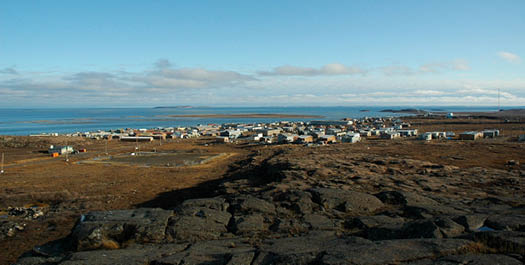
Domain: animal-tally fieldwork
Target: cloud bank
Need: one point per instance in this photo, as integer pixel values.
(329, 69)
(162, 83)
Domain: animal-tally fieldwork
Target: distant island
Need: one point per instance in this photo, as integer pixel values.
(244, 115)
(408, 111)
(173, 107)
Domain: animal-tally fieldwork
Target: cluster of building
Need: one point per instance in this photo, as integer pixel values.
(309, 133)
(312, 132)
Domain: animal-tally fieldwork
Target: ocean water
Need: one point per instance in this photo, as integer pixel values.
(70, 120)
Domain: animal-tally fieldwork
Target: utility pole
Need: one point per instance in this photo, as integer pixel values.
(2, 165)
(106, 146)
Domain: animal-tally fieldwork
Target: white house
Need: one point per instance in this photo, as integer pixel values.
(67, 149)
(286, 138)
(351, 138)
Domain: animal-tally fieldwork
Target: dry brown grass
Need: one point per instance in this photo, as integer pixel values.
(73, 188)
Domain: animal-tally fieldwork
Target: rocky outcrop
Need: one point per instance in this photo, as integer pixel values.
(359, 210)
(199, 219)
(111, 229)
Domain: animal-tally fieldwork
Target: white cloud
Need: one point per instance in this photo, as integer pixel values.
(437, 67)
(180, 78)
(433, 67)
(428, 92)
(509, 57)
(161, 80)
(329, 69)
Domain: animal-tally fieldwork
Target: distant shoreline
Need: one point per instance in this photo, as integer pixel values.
(173, 107)
(509, 113)
(244, 115)
(406, 111)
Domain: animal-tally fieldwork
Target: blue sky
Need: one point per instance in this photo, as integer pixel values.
(245, 53)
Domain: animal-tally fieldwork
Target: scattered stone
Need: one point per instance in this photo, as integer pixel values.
(25, 212)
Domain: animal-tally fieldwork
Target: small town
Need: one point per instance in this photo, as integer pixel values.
(311, 133)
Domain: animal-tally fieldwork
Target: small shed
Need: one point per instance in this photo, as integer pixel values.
(351, 138)
(490, 133)
(66, 149)
(470, 135)
(304, 139)
(364, 133)
(286, 138)
(328, 139)
(390, 135)
(426, 136)
(159, 136)
(222, 139)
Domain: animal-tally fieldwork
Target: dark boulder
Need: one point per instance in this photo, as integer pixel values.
(506, 222)
(110, 229)
(250, 204)
(471, 222)
(503, 241)
(199, 219)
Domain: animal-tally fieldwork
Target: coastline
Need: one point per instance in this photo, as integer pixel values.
(243, 115)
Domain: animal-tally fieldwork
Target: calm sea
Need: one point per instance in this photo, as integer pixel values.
(34, 121)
